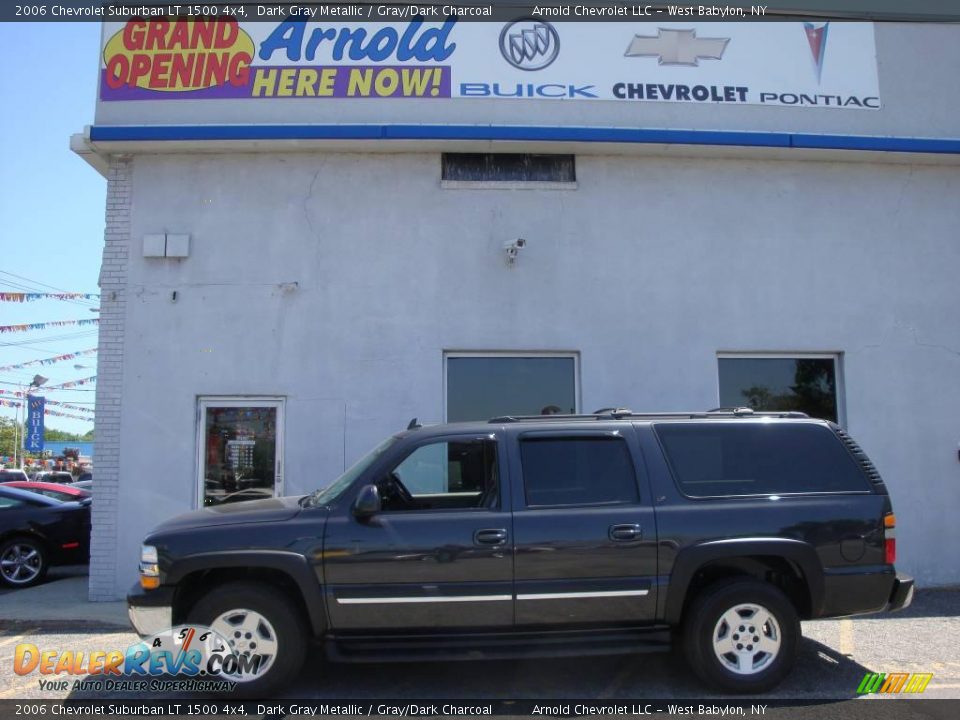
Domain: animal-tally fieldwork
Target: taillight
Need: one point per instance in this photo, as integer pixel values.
(889, 540)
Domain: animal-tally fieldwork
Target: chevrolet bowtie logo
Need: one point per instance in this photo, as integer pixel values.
(677, 47)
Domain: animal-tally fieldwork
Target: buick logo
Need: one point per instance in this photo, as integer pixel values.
(529, 44)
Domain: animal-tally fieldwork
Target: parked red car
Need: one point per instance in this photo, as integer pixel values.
(57, 491)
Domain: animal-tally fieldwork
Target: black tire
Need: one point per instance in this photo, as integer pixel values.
(759, 669)
(33, 556)
(283, 617)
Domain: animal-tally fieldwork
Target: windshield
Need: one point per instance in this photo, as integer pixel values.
(333, 491)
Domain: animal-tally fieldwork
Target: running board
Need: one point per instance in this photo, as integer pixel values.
(493, 646)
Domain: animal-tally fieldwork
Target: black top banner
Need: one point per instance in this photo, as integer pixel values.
(469, 11)
(760, 708)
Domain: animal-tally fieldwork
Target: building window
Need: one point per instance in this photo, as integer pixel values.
(240, 447)
(482, 386)
(561, 471)
(808, 383)
(508, 168)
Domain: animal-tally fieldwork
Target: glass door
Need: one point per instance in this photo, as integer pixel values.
(240, 449)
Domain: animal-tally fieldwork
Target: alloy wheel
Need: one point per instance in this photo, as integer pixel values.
(747, 639)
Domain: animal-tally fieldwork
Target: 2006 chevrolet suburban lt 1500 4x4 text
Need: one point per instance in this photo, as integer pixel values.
(589, 534)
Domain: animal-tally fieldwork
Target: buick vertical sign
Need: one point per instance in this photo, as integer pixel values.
(33, 436)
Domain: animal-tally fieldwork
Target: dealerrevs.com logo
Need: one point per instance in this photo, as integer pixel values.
(894, 683)
(185, 658)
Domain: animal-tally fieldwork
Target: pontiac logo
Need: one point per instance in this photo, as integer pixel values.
(529, 44)
(677, 47)
(817, 37)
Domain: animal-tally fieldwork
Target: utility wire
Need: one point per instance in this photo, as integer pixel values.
(26, 288)
(28, 344)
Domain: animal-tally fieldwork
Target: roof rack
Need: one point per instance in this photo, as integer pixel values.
(625, 413)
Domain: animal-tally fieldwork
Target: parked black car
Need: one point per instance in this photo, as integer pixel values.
(37, 532)
(613, 532)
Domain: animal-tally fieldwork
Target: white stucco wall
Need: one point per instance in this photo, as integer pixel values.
(648, 269)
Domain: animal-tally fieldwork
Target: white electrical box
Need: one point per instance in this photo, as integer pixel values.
(154, 245)
(178, 246)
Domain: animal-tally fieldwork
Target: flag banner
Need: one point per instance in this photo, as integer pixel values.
(33, 435)
(26, 327)
(69, 406)
(49, 361)
(47, 411)
(72, 383)
(30, 297)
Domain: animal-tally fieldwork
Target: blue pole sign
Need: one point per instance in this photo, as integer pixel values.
(33, 437)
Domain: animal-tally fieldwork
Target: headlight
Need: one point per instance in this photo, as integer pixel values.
(149, 570)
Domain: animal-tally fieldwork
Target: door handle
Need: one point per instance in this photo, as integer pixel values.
(631, 531)
(496, 536)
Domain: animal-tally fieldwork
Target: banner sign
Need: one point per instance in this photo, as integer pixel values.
(33, 434)
(796, 64)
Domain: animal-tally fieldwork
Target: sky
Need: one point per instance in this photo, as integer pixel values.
(51, 202)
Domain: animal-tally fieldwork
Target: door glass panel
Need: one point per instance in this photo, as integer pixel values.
(444, 475)
(479, 388)
(577, 471)
(240, 454)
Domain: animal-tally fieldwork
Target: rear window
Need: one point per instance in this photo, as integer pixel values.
(758, 458)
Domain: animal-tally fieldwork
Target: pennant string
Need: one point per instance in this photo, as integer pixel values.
(49, 361)
(30, 297)
(26, 327)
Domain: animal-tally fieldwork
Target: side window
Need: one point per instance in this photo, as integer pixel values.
(577, 471)
(8, 503)
(449, 475)
(748, 458)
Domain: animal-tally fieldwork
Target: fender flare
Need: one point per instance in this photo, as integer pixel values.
(292, 564)
(691, 559)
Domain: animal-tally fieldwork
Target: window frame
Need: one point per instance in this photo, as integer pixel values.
(501, 465)
(204, 402)
(578, 434)
(511, 354)
(836, 356)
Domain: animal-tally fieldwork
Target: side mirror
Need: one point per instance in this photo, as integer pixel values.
(367, 503)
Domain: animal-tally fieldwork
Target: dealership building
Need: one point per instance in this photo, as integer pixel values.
(318, 231)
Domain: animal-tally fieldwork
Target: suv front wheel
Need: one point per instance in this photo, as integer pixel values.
(256, 620)
(741, 635)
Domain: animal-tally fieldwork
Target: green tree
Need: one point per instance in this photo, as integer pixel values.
(55, 435)
(7, 427)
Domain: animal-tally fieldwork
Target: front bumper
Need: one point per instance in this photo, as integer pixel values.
(150, 611)
(902, 594)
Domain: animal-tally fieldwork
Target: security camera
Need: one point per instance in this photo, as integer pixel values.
(513, 249)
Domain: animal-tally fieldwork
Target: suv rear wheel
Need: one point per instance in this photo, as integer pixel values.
(741, 635)
(256, 620)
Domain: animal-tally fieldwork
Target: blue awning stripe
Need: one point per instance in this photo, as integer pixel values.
(127, 133)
